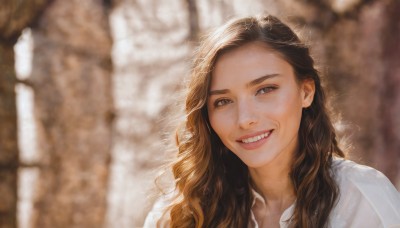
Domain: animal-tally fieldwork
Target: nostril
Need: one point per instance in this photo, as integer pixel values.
(247, 122)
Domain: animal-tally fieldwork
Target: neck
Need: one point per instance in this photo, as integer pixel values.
(273, 182)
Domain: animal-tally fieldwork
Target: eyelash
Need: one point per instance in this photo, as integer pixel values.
(227, 101)
(217, 105)
(268, 88)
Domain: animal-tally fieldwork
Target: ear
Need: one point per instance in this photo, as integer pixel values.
(307, 92)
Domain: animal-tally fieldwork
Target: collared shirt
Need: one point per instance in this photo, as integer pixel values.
(258, 209)
(367, 199)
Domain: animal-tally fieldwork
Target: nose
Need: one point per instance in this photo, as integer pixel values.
(247, 115)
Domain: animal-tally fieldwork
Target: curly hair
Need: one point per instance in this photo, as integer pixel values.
(212, 183)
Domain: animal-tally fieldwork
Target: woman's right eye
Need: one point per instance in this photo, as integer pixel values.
(221, 102)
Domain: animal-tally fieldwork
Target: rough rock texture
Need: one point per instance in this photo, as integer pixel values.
(8, 138)
(389, 160)
(17, 15)
(14, 17)
(71, 77)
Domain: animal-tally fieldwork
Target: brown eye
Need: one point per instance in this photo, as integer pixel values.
(221, 102)
(266, 90)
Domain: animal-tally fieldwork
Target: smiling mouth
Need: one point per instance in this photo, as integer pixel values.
(256, 138)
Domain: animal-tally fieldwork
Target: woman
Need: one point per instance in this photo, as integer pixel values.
(258, 148)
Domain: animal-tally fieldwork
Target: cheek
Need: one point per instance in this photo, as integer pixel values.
(288, 109)
(220, 123)
(216, 123)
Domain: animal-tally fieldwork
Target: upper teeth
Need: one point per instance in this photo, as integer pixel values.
(255, 138)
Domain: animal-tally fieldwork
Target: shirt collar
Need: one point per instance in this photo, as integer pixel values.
(257, 198)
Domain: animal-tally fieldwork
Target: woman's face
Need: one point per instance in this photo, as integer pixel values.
(255, 104)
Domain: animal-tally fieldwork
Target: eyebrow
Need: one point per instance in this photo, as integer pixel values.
(250, 84)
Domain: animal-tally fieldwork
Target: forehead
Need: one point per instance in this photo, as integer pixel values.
(248, 62)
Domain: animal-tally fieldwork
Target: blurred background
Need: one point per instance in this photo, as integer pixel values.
(87, 89)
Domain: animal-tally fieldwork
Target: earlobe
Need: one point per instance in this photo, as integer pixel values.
(308, 88)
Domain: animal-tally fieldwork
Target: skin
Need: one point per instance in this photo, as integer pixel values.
(253, 94)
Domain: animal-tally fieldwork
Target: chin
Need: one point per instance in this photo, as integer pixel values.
(259, 160)
(256, 164)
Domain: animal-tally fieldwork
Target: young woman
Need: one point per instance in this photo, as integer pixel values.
(258, 148)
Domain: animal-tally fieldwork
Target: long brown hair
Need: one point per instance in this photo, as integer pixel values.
(212, 183)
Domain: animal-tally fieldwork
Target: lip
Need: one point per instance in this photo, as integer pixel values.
(254, 145)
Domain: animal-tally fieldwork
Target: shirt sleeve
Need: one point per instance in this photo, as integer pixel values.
(367, 198)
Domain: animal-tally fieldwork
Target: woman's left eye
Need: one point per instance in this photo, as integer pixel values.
(265, 90)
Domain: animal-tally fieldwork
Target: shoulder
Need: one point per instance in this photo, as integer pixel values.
(364, 178)
(349, 171)
(367, 197)
(158, 215)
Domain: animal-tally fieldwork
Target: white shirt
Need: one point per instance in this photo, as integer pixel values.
(367, 199)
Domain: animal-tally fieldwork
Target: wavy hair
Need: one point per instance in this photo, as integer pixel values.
(212, 183)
